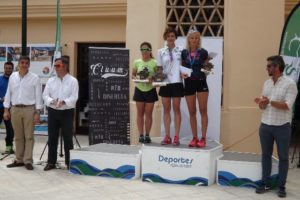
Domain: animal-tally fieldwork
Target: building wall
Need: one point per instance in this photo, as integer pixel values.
(250, 37)
(146, 21)
(252, 33)
(289, 5)
(81, 21)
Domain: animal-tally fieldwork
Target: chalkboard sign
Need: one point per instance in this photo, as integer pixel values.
(109, 96)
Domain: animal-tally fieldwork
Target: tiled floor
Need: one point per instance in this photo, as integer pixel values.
(19, 183)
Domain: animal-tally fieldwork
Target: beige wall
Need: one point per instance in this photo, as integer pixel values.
(81, 21)
(72, 30)
(145, 22)
(252, 33)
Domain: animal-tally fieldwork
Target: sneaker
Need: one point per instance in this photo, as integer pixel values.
(281, 192)
(176, 141)
(263, 188)
(147, 139)
(201, 143)
(9, 150)
(141, 139)
(167, 140)
(193, 142)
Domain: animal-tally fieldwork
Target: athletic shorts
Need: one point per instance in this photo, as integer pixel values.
(172, 90)
(193, 86)
(147, 97)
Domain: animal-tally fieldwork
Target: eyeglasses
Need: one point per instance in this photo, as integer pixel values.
(145, 49)
(58, 65)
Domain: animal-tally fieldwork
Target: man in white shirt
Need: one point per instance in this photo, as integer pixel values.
(60, 95)
(24, 96)
(278, 97)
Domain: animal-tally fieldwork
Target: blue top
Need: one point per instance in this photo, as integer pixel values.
(195, 62)
(3, 88)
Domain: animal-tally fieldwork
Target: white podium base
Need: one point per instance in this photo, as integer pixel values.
(159, 84)
(243, 170)
(180, 164)
(141, 80)
(108, 160)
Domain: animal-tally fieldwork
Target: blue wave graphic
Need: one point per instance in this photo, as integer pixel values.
(229, 179)
(190, 181)
(81, 167)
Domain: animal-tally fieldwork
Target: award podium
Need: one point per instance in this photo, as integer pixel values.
(180, 164)
(243, 170)
(107, 160)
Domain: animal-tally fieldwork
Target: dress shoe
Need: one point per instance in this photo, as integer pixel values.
(28, 166)
(15, 164)
(49, 167)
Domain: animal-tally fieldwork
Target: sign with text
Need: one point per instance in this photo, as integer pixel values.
(109, 96)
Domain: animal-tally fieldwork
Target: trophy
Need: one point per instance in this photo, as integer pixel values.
(207, 68)
(142, 76)
(159, 77)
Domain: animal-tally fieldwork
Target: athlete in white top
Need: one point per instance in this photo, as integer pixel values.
(169, 57)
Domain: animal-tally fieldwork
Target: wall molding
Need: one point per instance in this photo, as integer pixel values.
(67, 10)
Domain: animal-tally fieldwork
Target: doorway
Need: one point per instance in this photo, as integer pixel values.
(83, 81)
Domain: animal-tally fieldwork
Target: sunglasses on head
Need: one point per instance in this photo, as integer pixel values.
(145, 49)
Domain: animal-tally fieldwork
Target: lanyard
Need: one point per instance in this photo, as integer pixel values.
(170, 54)
(192, 61)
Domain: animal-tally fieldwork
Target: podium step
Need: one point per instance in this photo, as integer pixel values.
(243, 170)
(180, 164)
(107, 160)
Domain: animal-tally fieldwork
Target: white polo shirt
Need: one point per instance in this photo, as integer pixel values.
(171, 62)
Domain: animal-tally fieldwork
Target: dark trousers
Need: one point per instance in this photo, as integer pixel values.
(60, 120)
(281, 135)
(9, 129)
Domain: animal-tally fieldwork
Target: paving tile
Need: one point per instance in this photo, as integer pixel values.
(19, 183)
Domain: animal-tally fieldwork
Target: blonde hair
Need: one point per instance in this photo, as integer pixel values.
(189, 35)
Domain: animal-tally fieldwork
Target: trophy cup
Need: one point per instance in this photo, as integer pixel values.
(159, 77)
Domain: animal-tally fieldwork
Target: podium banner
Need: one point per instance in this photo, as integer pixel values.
(109, 96)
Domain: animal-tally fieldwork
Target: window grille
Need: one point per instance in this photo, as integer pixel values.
(206, 15)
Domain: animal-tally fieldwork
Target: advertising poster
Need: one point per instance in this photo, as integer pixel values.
(109, 96)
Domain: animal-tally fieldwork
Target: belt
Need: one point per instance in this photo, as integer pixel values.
(22, 105)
